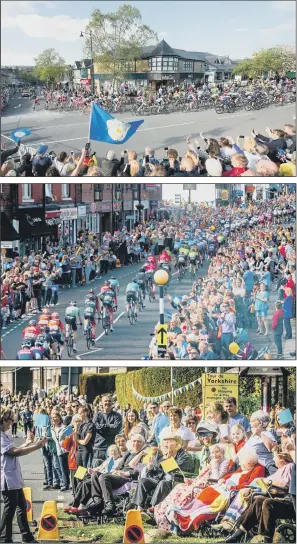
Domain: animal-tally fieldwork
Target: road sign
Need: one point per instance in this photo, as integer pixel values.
(189, 186)
(218, 387)
(133, 533)
(28, 498)
(162, 336)
(48, 527)
(177, 199)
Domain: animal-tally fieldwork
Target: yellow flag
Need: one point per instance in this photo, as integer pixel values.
(77, 251)
(148, 456)
(260, 482)
(169, 465)
(80, 473)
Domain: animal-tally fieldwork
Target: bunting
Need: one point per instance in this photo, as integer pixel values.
(161, 398)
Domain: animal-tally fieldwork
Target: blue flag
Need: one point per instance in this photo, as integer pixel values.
(105, 128)
(19, 133)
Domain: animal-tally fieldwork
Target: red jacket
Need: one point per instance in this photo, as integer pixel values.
(31, 331)
(290, 284)
(246, 479)
(235, 172)
(276, 316)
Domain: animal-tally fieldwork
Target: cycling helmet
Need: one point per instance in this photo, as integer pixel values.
(40, 338)
(91, 297)
(45, 311)
(91, 292)
(32, 322)
(107, 282)
(26, 344)
(113, 278)
(39, 342)
(73, 303)
(55, 315)
(134, 280)
(46, 329)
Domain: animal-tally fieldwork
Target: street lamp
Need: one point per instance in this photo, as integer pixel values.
(82, 35)
(161, 278)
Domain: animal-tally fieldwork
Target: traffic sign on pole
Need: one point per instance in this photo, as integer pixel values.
(189, 186)
(162, 336)
(177, 199)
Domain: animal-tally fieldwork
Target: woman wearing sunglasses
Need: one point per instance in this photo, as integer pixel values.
(12, 480)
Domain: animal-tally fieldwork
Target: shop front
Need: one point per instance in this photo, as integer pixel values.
(68, 226)
(33, 229)
(88, 219)
(9, 236)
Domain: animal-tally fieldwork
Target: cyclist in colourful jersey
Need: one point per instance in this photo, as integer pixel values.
(72, 313)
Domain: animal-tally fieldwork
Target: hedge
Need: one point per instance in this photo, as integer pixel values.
(93, 385)
(155, 381)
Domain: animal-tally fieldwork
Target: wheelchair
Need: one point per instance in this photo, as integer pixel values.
(93, 512)
(285, 528)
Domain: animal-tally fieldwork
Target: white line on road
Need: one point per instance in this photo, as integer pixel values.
(103, 333)
(89, 352)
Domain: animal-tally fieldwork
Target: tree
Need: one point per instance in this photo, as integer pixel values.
(49, 67)
(279, 59)
(117, 40)
(28, 77)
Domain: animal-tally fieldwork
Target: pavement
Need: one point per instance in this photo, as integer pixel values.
(69, 131)
(33, 474)
(129, 342)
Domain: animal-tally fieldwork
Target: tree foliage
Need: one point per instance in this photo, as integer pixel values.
(275, 59)
(117, 39)
(49, 67)
(28, 77)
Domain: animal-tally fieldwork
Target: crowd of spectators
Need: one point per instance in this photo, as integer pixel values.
(254, 155)
(232, 299)
(219, 454)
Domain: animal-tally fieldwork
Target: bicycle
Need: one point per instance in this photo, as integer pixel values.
(150, 290)
(89, 338)
(70, 341)
(141, 304)
(131, 312)
(193, 270)
(181, 273)
(106, 321)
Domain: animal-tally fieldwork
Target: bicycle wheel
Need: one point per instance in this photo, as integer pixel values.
(88, 337)
(151, 298)
(219, 109)
(130, 314)
(70, 344)
(134, 313)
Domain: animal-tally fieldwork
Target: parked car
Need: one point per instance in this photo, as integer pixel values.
(25, 93)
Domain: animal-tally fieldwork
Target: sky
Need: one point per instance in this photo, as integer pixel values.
(235, 28)
(205, 192)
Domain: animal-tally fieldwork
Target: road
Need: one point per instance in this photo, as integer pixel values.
(69, 131)
(128, 342)
(33, 474)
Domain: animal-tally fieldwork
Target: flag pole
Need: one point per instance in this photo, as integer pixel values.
(90, 120)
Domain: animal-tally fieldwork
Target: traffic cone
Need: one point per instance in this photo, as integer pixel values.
(48, 525)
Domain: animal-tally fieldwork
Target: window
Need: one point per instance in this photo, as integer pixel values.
(65, 190)
(188, 65)
(26, 191)
(48, 190)
(163, 64)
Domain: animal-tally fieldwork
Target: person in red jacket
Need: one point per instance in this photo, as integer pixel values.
(239, 163)
(278, 327)
(31, 332)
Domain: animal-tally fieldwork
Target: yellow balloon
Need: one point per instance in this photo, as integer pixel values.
(234, 348)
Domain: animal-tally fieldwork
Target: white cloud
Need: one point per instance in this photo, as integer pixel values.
(59, 27)
(283, 5)
(279, 28)
(241, 29)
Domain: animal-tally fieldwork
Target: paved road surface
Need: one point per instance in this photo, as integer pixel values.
(68, 131)
(127, 342)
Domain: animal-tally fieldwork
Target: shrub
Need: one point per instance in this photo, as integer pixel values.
(93, 385)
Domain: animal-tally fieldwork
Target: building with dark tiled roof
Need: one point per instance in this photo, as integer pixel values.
(161, 64)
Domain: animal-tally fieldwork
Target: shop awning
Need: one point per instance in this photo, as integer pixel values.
(8, 232)
(32, 223)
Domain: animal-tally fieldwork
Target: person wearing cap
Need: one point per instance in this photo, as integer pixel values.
(175, 427)
(155, 479)
(41, 161)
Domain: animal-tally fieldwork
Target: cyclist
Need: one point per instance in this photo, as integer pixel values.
(44, 318)
(38, 351)
(150, 268)
(24, 354)
(107, 298)
(57, 329)
(165, 257)
(90, 310)
(47, 341)
(115, 285)
(132, 293)
(140, 280)
(72, 312)
(31, 332)
(193, 256)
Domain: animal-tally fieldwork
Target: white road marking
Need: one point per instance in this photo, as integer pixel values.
(253, 111)
(103, 333)
(88, 352)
